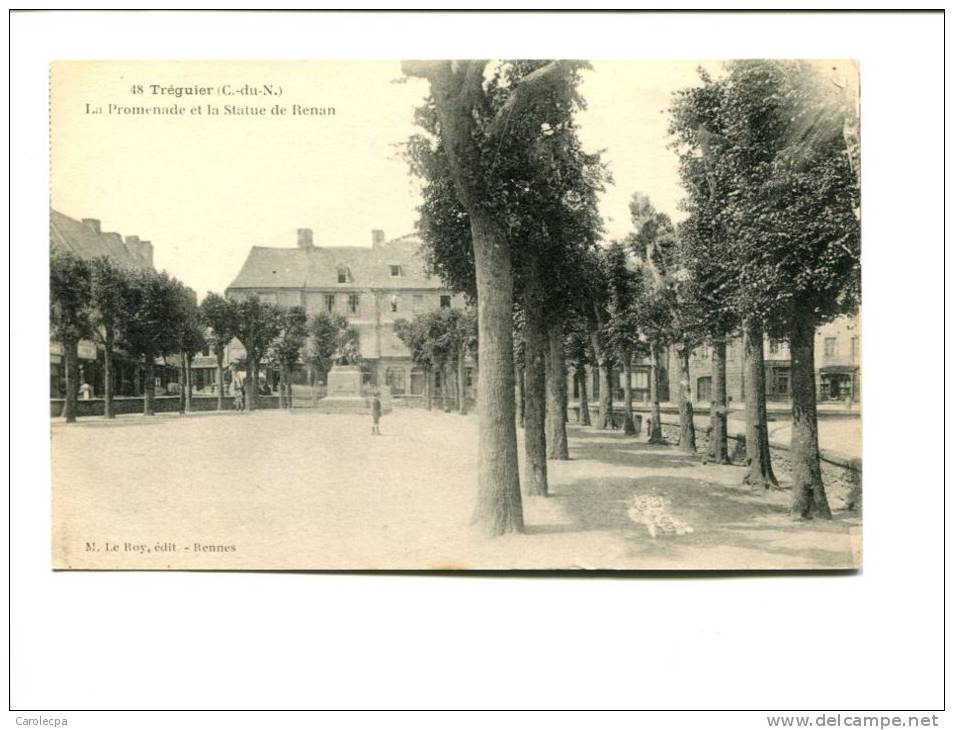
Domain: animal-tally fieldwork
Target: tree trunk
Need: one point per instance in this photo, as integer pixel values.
(757, 455)
(427, 388)
(584, 400)
(220, 374)
(149, 387)
(687, 426)
(282, 392)
(71, 373)
(461, 395)
(535, 393)
(251, 384)
(182, 378)
(445, 387)
(629, 428)
(655, 427)
(718, 441)
(188, 384)
(288, 387)
(108, 375)
(499, 507)
(520, 396)
(808, 491)
(557, 448)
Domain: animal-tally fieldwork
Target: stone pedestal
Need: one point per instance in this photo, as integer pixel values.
(344, 391)
(344, 381)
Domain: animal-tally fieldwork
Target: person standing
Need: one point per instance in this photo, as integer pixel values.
(375, 413)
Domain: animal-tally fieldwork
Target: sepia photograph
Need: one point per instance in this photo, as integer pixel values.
(454, 315)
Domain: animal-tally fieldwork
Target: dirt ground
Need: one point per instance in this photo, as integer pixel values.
(302, 490)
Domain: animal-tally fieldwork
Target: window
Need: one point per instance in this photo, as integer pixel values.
(205, 351)
(394, 377)
(330, 302)
(394, 303)
(781, 378)
(704, 388)
(344, 275)
(830, 346)
(353, 302)
(703, 352)
(445, 301)
(854, 349)
(395, 270)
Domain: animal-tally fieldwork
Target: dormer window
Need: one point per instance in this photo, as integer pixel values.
(344, 275)
(395, 270)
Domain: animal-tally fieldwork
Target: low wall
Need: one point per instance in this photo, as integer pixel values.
(161, 404)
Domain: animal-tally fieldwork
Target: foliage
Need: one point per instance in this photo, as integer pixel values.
(218, 316)
(187, 321)
(150, 329)
(70, 301)
(625, 286)
(437, 338)
(772, 196)
(257, 324)
(537, 179)
(287, 346)
(324, 329)
(109, 299)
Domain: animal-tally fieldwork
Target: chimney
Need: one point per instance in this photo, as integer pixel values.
(145, 252)
(377, 236)
(93, 223)
(306, 239)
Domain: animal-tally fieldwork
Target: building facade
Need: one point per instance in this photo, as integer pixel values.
(372, 286)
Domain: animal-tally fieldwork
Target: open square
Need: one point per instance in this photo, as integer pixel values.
(306, 490)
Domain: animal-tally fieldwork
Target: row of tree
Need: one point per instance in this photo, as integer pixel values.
(151, 316)
(770, 243)
(440, 342)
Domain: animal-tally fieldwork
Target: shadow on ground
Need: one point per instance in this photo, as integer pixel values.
(729, 521)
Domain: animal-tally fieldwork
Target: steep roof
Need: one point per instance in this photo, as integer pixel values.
(317, 267)
(68, 234)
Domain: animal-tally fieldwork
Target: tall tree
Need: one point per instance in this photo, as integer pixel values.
(218, 316)
(287, 347)
(796, 229)
(415, 334)
(109, 295)
(579, 355)
(150, 332)
(190, 339)
(705, 236)
(257, 324)
(625, 287)
(670, 313)
(490, 155)
(69, 318)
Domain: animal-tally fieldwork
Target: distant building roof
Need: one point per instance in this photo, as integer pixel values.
(84, 239)
(317, 267)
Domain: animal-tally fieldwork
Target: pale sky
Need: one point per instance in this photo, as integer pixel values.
(204, 189)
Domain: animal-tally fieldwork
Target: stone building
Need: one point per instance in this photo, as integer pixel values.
(372, 286)
(86, 239)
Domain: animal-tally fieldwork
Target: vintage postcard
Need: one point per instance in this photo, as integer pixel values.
(455, 315)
